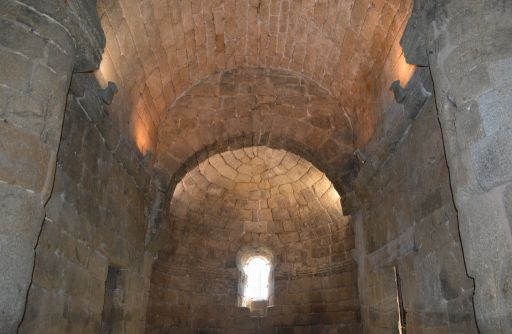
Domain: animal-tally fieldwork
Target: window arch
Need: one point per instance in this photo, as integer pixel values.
(255, 288)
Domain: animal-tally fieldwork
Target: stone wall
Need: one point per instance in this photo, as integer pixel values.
(471, 55)
(41, 42)
(96, 218)
(255, 197)
(407, 220)
(28, 75)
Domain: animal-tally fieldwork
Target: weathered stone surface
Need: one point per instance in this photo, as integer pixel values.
(495, 109)
(248, 211)
(492, 158)
(477, 77)
(162, 46)
(23, 159)
(80, 22)
(15, 280)
(95, 218)
(406, 219)
(22, 213)
(33, 98)
(507, 200)
(317, 132)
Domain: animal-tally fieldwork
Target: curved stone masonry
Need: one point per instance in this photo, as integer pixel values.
(157, 50)
(198, 79)
(255, 197)
(251, 107)
(259, 191)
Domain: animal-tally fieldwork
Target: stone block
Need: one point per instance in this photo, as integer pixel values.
(23, 158)
(15, 279)
(25, 112)
(97, 265)
(58, 60)
(473, 83)
(40, 319)
(77, 283)
(496, 109)
(15, 70)
(109, 133)
(469, 125)
(280, 214)
(289, 237)
(21, 211)
(255, 227)
(500, 72)
(16, 38)
(492, 158)
(44, 83)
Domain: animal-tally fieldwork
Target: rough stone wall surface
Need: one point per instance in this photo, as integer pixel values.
(37, 55)
(408, 220)
(156, 50)
(29, 129)
(470, 54)
(95, 218)
(255, 197)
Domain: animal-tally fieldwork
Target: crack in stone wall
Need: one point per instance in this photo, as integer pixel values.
(407, 219)
(95, 218)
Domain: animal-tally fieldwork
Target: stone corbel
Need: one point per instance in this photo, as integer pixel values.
(107, 94)
(399, 92)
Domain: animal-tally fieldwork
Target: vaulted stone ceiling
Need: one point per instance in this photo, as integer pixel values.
(257, 190)
(252, 107)
(247, 199)
(157, 49)
(258, 196)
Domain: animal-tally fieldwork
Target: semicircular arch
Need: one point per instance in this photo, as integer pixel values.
(255, 107)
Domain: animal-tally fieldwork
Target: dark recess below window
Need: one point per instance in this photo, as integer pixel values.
(112, 312)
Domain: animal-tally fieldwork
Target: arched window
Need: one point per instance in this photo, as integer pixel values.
(256, 286)
(257, 271)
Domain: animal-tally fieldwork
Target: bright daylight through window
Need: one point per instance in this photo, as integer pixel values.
(257, 270)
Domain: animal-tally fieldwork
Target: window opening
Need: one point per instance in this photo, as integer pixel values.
(257, 270)
(400, 302)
